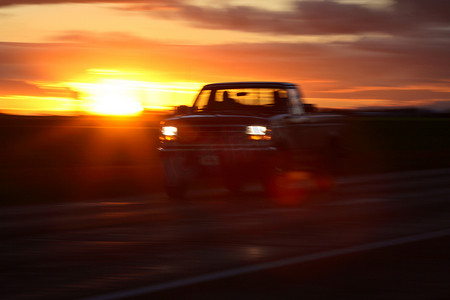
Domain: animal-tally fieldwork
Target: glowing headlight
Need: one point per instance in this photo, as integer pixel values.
(169, 131)
(256, 130)
(258, 133)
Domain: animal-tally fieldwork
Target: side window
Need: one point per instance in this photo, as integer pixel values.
(202, 100)
(294, 102)
(218, 97)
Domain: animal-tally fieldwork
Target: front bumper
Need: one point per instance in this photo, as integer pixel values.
(221, 159)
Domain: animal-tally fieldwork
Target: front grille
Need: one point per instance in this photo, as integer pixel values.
(224, 135)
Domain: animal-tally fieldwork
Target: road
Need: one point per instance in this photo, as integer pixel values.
(378, 237)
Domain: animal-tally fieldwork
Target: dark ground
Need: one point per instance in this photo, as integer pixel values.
(99, 248)
(93, 238)
(413, 271)
(57, 159)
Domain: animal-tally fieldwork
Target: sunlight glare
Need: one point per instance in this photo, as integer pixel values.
(115, 97)
(119, 92)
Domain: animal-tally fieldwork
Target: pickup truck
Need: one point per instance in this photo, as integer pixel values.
(246, 131)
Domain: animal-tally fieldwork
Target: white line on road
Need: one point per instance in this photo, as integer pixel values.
(269, 265)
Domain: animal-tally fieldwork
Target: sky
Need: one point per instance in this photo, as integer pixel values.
(94, 56)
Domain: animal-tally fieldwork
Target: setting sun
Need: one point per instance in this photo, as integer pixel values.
(128, 93)
(111, 97)
(114, 97)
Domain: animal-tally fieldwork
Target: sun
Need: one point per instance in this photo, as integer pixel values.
(114, 97)
(128, 93)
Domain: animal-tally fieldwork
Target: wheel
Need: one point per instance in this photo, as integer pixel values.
(324, 182)
(271, 184)
(176, 176)
(234, 179)
(234, 185)
(176, 192)
(284, 182)
(272, 179)
(328, 167)
(286, 188)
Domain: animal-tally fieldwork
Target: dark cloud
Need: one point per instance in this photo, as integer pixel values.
(319, 17)
(306, 17)
(434, 11)
(395, 95)
(386, 62)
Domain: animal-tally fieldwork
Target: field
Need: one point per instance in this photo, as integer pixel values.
(56, 159)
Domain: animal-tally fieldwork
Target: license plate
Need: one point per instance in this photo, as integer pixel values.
(209, 160)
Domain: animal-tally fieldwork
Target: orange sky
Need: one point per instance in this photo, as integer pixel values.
(70, 57)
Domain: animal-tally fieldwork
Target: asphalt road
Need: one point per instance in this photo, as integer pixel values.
(377, 237)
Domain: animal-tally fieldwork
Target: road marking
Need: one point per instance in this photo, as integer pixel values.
(269, 265)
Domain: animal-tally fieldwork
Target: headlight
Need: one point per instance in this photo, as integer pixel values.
(169, 130)
(257, 132)
(168, 133)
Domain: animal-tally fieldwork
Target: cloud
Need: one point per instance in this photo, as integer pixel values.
(434, 11)
(140, 5)
(405, 62)
(395, 95)
(400, 69)
(28, 2)
(318, 17)
(306, 17)
(16, 87)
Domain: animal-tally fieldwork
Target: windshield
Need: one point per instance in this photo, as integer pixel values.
(259, 100)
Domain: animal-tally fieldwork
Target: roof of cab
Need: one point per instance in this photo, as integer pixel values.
(250, 84)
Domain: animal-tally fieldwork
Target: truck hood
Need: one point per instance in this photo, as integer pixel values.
(216, 119)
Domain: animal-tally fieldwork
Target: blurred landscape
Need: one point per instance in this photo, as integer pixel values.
(50, 159)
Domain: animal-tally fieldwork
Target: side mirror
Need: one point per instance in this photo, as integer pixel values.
(183, 110)
(309, 108)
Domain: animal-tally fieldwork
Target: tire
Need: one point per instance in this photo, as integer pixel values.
(234, 179)
(234, 185)
(176, 177)
(280, 181)
(324, 182)
(270, 179)
(176, 192)
(270, 183)
(325, 174)
(284, 189)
